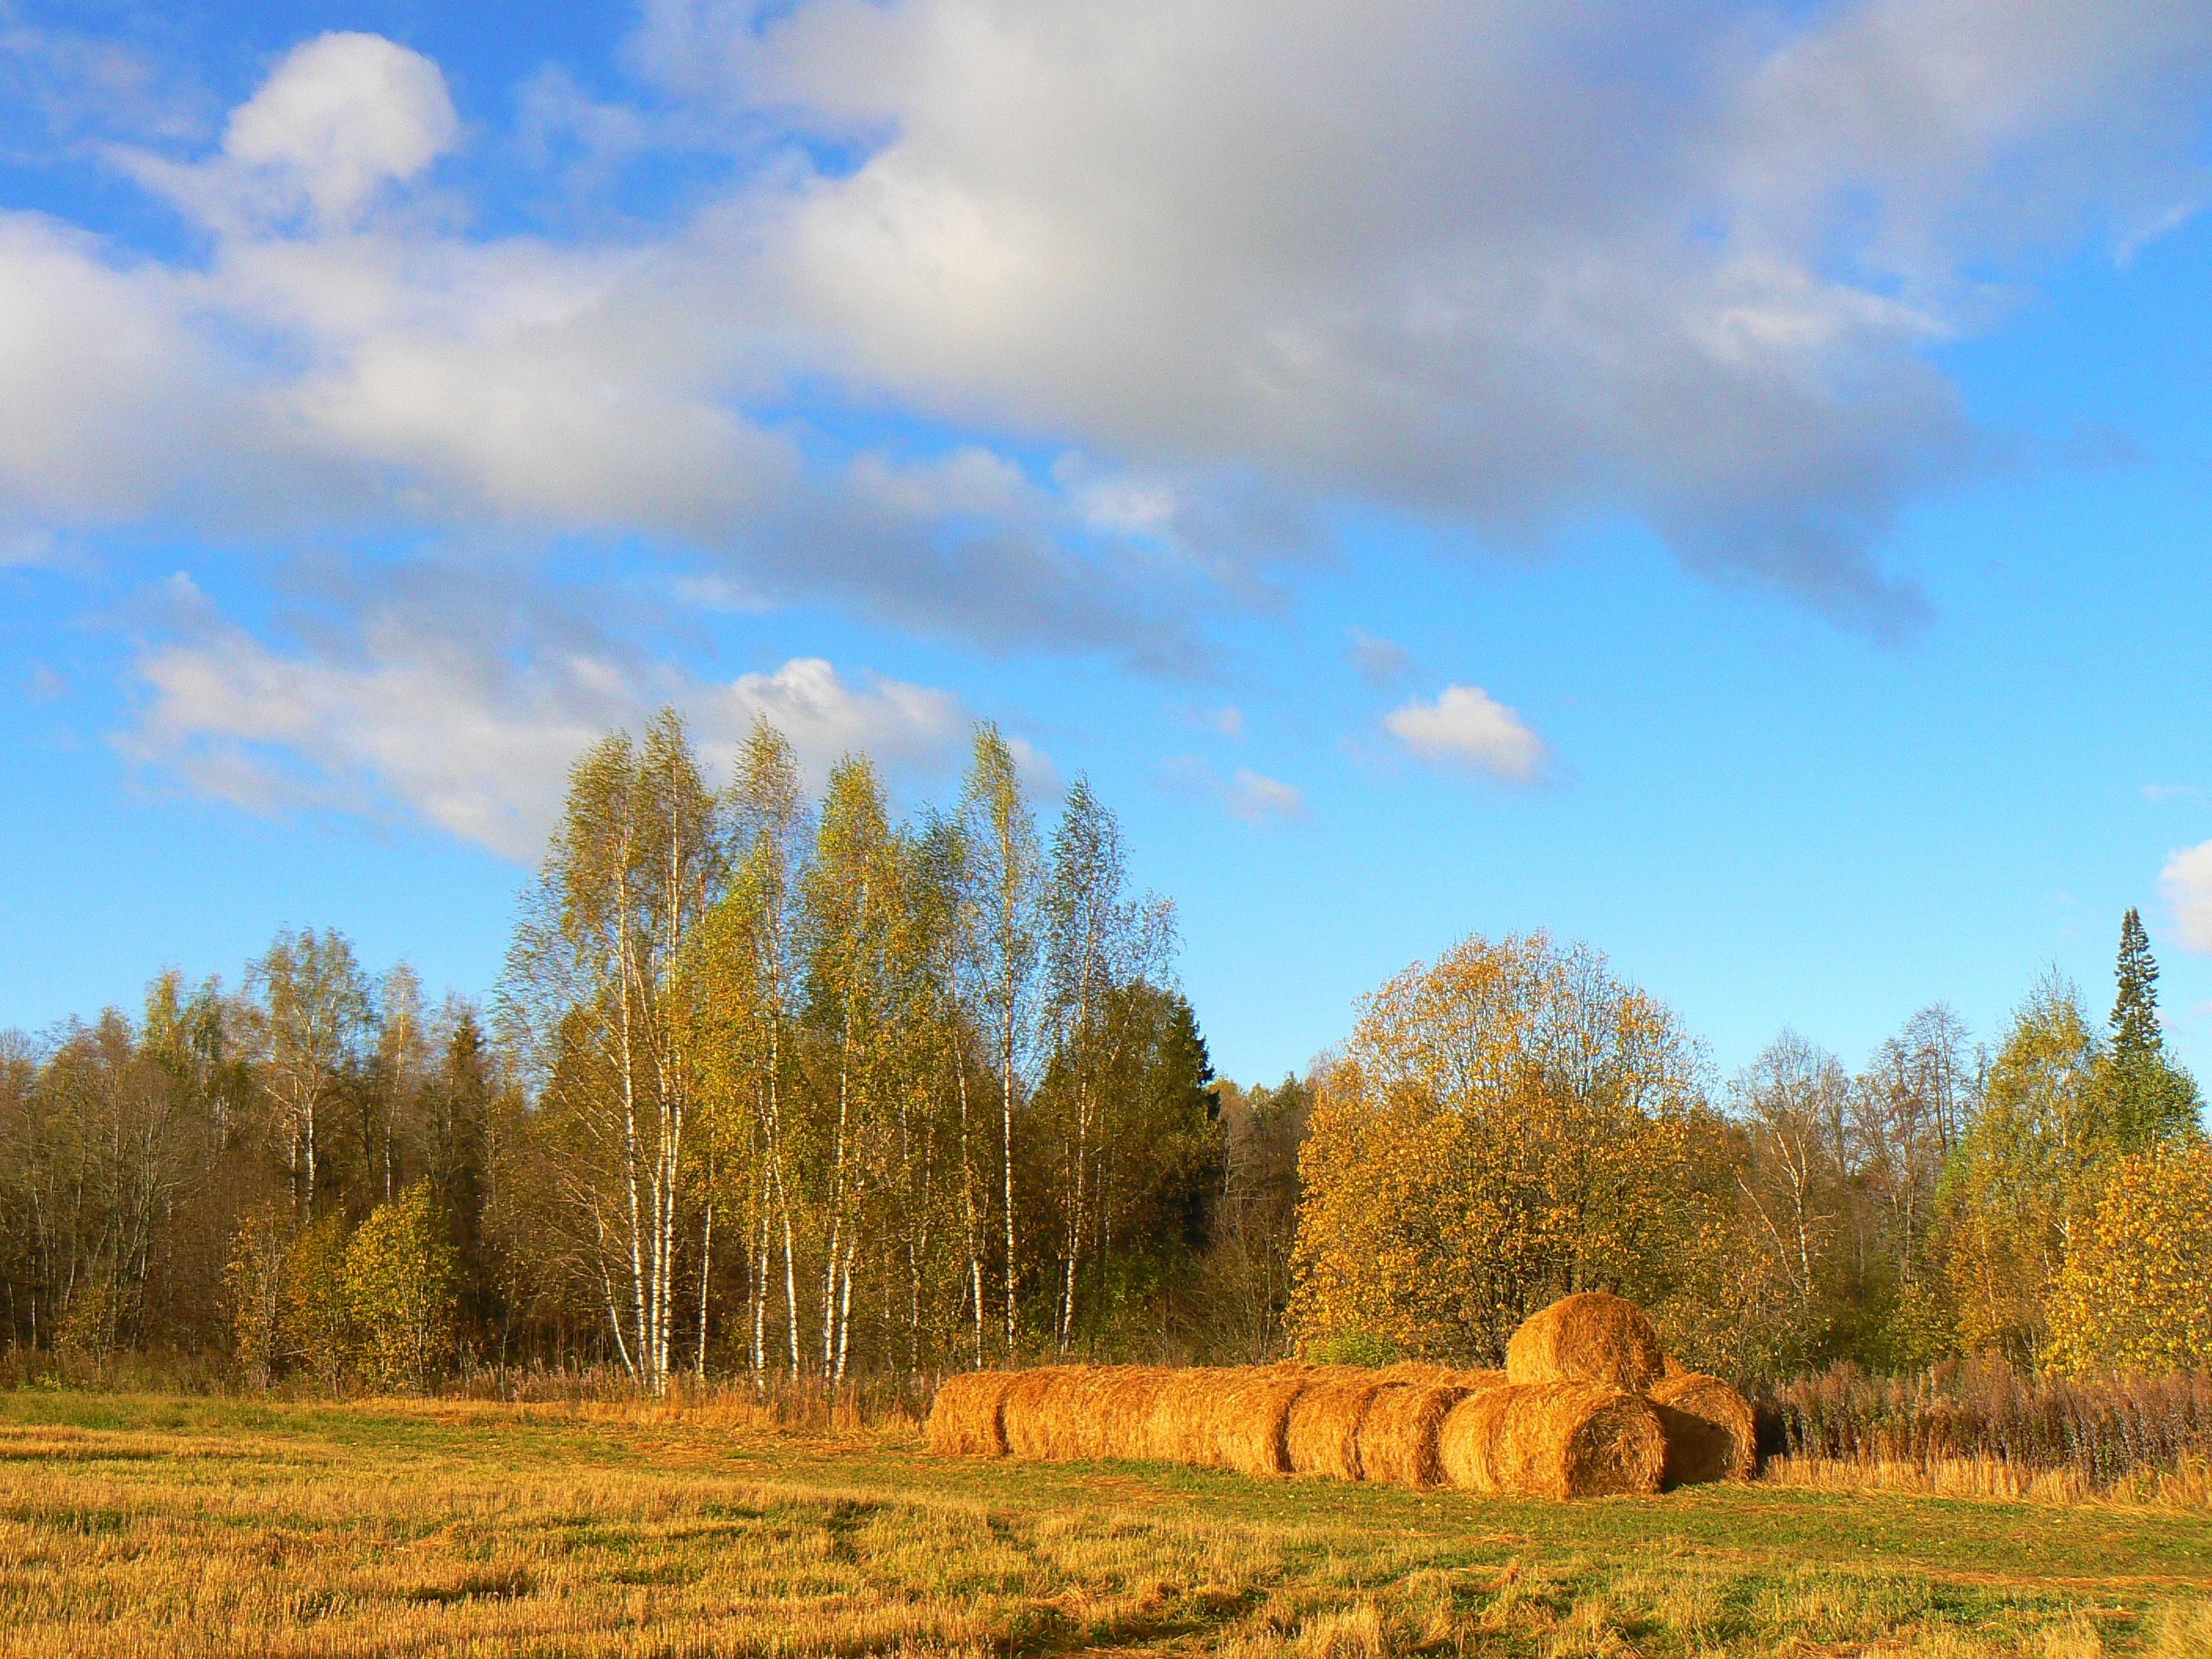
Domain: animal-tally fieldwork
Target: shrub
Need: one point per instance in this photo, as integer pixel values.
(400, 1276)
(2105, 1429)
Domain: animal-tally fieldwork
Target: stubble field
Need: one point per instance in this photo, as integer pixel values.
(170, 1529)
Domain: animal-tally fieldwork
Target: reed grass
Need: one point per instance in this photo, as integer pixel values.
(2120, 1436)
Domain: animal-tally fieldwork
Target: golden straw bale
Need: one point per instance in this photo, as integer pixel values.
(1176, 1429)
(1230, 1417)
(1711, 1433)
(1323, 1430)
(1067, 1413)
(965, 1419)
(1398, 1436)
(1125, 1408)
(1067, 1426)
(1029, 1410)
(1593, 1337)
(1252, 1423)
(1552, 1440)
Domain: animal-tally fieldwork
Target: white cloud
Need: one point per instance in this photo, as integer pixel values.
(1466, 726)
(347, 363)
(1499, 265)
(905, 729)
(343, 115)
(1498, 268)
(438, 717)
(2186, 885)
(100, 388)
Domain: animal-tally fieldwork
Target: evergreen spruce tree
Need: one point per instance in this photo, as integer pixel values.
(2135, 1010)
(2148, 1099)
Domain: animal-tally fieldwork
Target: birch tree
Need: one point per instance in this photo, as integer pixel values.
(855, 901)
(595, 979)
(748, 1006)
(1098, 942)
(316, 1011)
(1004, 871)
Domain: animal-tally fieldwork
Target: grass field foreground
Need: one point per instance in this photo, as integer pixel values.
(168, 1528)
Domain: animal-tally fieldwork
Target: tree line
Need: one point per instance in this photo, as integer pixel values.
(784, 1086)
(770, 1085)
(1512, 1122)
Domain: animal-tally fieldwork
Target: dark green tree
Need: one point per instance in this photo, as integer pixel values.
(457, 1109)
(2147, 1098)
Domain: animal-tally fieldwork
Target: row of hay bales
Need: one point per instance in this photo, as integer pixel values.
(1588, 1404)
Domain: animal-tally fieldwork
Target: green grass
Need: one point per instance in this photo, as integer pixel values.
(148, 1526)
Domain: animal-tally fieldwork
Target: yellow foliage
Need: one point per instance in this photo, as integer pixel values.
(400, 1290)
(2135, 1289)
(2013, 1183)
(1507, 1124)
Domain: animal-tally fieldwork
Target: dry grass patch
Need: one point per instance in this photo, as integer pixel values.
(392, 1528)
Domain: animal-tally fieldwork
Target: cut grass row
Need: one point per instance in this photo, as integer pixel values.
(146, 1526)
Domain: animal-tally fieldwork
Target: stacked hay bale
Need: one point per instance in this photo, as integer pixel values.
(1711, 1432)
(1592, 1337)
(1569, 1419)
(1589, 1405)
(1604, 1341)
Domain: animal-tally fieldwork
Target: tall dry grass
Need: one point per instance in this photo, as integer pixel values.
(1980, 1426)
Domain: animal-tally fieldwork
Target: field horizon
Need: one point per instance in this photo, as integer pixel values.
(142, 1524)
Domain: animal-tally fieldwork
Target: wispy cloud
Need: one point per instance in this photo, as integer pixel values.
(1244, 794)
(434, 710)
(1384, 665)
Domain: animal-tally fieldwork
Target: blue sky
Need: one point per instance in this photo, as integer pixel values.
(1727, 483)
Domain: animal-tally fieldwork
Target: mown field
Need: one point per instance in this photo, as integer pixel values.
(168, 1528)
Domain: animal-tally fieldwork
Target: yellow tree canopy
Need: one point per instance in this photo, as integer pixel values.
(1507, 1124)
(2135, 1289)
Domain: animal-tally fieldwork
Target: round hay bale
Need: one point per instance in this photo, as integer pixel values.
(1398, 1436)
(1552, 1440)
(1083, 1412)
(1178, 1427)
(1250, 1420)
(1029, 1410)
(1593, 1337)
(966, 1417)
(1069, 1425)
(1125, 1402)
(1322, 1434)
(1711, 1432)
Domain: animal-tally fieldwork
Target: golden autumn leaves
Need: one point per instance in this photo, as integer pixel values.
(1506, 1122)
